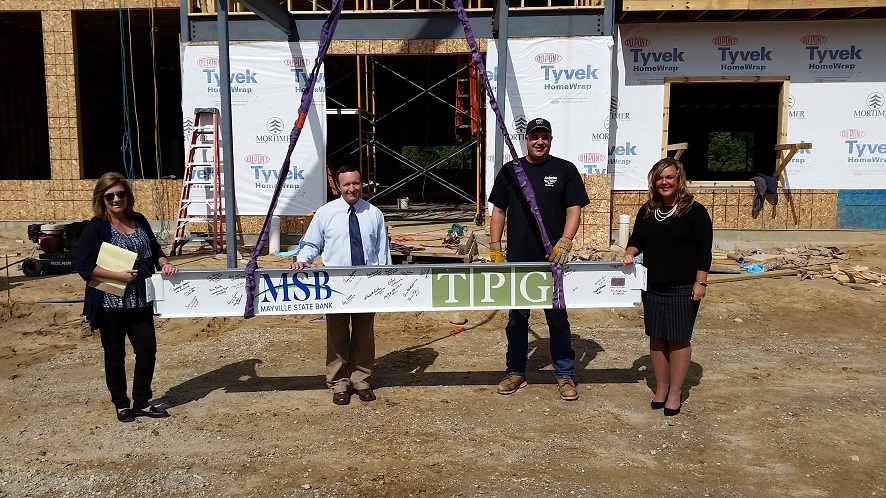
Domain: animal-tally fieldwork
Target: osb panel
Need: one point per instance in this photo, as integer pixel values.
(720, 199)
(597, 186)
(746, 219)
(363, 47)
(804, 207)
(343, 47)
(732, 197)
(395, 47)
(458, 46)
(597, 207)
(746, 198)
(705, 198)
(824, 214)
(109, 4)
(376, 47)
(629, 209)
(427, 46)
(594, 237)
(718, 216)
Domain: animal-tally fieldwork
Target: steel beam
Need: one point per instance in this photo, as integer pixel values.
(271, 12)
(405, 25)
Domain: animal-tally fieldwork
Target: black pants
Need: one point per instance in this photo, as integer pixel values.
(115, 324)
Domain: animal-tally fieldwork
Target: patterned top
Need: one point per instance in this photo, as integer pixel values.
(139, 243)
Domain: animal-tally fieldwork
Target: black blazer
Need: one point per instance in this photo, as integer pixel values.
(96, 231)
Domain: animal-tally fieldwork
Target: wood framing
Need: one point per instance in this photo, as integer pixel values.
(702, 5)
(784, 93)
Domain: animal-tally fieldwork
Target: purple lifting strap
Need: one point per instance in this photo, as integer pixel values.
(325, 37)
(558, 299)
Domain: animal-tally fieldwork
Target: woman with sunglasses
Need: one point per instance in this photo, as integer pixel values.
(675, 235)
(116, 317)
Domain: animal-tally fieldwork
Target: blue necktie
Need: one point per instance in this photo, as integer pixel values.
(356, 241)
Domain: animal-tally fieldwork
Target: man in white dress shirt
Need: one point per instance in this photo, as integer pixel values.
(348, 232)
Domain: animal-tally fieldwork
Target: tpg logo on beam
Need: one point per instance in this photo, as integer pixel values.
(480, 288)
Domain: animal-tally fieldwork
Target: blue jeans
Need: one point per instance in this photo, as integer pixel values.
(562, 354)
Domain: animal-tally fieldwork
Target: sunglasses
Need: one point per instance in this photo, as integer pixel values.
(110, 195)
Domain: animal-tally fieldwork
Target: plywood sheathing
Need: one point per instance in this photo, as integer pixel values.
(593, 231)
(733, 209)
(61, 99)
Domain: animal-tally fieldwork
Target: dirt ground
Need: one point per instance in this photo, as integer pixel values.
(785, 398)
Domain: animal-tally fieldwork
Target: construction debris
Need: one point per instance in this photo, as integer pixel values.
(854, 275)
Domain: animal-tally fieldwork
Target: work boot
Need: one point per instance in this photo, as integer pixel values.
(567, 389)
(511, 383)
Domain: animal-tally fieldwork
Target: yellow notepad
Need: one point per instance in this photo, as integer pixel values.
(114, 258)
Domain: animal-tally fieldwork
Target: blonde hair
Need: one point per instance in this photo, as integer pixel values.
(105, 182)
(683, 200)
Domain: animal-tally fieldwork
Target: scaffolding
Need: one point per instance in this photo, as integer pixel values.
(369, 146)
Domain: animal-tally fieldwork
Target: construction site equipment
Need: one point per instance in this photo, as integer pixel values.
(203, 171)
(449, 287)
(57, 243)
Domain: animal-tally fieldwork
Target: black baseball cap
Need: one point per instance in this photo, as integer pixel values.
(537, 123)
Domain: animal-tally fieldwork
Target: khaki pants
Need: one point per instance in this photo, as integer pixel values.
(350, 350)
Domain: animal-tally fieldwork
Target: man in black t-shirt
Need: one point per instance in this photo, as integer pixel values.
(559, 194)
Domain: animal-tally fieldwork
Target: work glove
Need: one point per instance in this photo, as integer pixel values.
(495, 254)
(560, 252)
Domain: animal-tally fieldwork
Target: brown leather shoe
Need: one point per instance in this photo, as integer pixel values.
(365, 394)
(511, 383)
(567, 389)
(342, 398)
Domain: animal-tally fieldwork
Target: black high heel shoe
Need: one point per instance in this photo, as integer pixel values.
(658, 405)
(670, 412)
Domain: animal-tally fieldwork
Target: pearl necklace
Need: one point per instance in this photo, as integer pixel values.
(660, 216)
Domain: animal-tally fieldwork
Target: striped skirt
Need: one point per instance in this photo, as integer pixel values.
(669, 312)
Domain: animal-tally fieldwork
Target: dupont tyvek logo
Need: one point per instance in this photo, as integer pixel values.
(506, 158)
(622, 154)
(813, 39)
(520, 123)
(591, 157)
(801, 156)
(569, 78)
(636, 42)
(740, 60)
(241, 81)
(276, 128)
(724, 41)
(266, 177)
(860, 151)
(593, 162)
(660, 61)
(874, 107)
(296, 62)
(548, 58)
(257, 159)
(208, 62)
(833, 59)
(302, 75)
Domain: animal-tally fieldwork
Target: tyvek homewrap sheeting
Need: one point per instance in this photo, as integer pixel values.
(564, 80)
(267, 79)
(837, 71)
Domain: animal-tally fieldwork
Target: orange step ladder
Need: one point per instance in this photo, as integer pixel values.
(203, 171)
